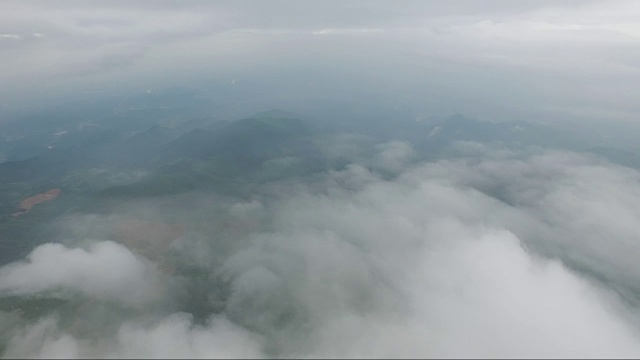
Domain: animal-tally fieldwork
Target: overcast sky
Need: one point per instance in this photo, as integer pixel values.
(492, 59)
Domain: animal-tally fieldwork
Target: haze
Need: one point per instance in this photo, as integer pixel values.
(319, 179)
(497, 60)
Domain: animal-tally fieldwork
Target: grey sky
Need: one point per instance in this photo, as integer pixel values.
(491, 59)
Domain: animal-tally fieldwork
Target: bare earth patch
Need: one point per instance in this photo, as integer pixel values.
(28, 203)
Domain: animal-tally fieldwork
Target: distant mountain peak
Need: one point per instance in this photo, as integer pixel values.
(276, 113)
(459, 119)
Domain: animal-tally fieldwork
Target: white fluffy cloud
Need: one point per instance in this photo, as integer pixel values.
(174, 337)
(106, 270)
(177, 337)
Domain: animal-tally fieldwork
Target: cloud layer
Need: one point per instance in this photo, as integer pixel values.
(499, 60)
(106, 271)
(488, 254)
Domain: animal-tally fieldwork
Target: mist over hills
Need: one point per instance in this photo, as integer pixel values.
(281, 234)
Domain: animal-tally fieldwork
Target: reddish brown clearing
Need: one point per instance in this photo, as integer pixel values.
(28, 203)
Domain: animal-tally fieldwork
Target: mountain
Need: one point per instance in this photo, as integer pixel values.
(255, 138)
(224, 154)
(621, 157)
(512, 133)
(158, 152)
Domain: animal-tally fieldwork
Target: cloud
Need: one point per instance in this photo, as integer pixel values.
(562, 204)
(432, 264)
(490, 253)
(394, 155)
(106, 271)
(174, 336)
(343, 31)
(494, 60)
(177, 337)
(486, 297)
(10, 36)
